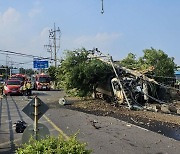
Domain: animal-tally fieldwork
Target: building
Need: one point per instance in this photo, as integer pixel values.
(177, 75)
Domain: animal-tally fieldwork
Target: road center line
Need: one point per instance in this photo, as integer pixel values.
(56, 127)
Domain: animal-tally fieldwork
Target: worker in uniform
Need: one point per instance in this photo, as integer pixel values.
(24, 89)
(28, 88)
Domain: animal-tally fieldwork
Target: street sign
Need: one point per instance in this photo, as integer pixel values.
(40, 64)
(35, 109)
(29, 109)
(42, 133)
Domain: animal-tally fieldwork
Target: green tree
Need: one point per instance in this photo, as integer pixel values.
(29, 72)
(80, 73)
(52, 71)
(162, 64)
(130, 61)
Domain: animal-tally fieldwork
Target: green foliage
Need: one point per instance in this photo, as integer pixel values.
(162, 64)
(28, 72)
(130, 61)
(78, 73)
(55, 146)
(52, 71)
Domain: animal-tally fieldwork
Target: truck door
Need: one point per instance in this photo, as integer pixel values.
(118, 94)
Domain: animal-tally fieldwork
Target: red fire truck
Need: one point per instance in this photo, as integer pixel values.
(42, 82)
(20, 77)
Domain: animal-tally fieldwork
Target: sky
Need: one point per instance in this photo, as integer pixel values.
(126, 26)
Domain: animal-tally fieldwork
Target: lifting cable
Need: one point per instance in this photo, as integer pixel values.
(102, 9)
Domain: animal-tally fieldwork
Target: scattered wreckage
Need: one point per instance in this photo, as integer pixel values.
(129, 87)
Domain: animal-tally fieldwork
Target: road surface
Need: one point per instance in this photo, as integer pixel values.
(104, 135)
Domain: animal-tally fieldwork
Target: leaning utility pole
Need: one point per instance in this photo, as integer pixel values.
(54, 36)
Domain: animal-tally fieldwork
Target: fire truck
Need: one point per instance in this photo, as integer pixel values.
(42, 82)
(20, 77)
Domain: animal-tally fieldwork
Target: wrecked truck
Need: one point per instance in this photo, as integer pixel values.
(126, 86)
(130, 91)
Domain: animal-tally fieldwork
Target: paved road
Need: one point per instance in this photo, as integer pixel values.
(11, 111)
(104, 135)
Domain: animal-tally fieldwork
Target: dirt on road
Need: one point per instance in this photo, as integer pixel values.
(103, 108)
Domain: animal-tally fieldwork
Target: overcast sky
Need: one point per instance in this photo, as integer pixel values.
(126, 26)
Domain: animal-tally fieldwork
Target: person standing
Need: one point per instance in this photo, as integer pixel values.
(28, 88)
(24, 89)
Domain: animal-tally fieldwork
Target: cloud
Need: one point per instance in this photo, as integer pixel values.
(10, 27)
(16, 35)
(104, 41)
(99, 38)
(37, 42)
(10, 16)
(41, 38)
(34, 12)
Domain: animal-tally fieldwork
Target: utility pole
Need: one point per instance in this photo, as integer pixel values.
(11, 67)
(49, 49)
(7, 66)
(54, 36)
(7, 60)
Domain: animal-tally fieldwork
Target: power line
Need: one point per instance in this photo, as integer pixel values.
(16, 63)
(5, 52)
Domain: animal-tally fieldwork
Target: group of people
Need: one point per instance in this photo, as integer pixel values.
(26, 88)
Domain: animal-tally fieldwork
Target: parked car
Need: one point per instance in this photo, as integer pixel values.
(12, 87)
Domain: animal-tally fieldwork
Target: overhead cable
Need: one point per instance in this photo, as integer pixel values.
(22, 54)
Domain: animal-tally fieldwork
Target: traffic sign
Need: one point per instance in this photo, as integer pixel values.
(42, 133)
(29, 109)
(40, 64)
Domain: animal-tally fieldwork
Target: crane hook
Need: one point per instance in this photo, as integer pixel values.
(102, 11)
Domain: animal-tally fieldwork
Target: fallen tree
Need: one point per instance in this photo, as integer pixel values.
(82, 71)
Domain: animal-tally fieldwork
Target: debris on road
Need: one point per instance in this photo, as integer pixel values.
(63, 101)
(20, 126)
(94, 123)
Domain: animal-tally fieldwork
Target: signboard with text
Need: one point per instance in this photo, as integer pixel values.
(40, 64)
